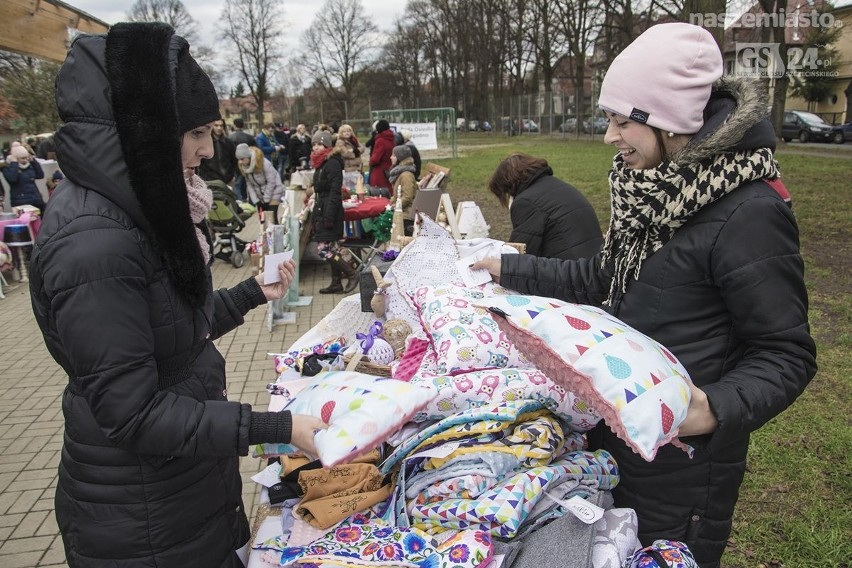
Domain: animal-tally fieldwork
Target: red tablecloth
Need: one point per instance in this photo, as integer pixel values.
(370, 207)
(34, 222)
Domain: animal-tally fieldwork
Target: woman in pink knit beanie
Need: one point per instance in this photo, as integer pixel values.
(702, 255)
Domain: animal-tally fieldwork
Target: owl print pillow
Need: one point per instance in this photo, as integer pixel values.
(463, 335)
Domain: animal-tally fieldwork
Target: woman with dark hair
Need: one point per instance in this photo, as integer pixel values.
(703, 256)
(122, 292)
(548, 215)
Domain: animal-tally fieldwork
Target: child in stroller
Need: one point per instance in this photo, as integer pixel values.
(227, 218)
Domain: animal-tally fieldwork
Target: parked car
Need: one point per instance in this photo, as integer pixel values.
(595, 125)
(473, 125)
(568, 125)
(842, 133)
(805, 126)
(529, 125)
(486, 126)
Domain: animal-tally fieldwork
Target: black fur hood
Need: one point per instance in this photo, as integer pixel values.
(121, 138)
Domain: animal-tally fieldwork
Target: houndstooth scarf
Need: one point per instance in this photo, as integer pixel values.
(649, 205)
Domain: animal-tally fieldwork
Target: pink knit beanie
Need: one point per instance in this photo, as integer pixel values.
(663, 79)
(19, 152)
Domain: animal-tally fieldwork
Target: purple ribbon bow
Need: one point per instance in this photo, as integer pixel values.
(368, 338)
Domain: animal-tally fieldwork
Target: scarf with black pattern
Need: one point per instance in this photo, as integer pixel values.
(649, 205)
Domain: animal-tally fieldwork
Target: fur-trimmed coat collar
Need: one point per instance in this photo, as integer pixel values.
(735, 119)
(121, 139)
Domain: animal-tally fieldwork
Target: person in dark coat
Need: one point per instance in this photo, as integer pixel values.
(548, 215)
(122, 292)
(300, 149)
(327, 215)
(703, 256)
(223, 165)
(380, 156)
(21, 172)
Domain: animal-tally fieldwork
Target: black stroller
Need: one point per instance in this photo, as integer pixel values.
(226, 218)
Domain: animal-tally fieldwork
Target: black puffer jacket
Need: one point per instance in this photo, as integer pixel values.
(328, 201)
(726, 295)
(149, 475)
(554, 219)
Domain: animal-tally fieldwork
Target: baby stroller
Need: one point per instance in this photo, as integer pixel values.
(226, 219)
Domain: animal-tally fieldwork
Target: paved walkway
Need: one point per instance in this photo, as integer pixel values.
(31, 422)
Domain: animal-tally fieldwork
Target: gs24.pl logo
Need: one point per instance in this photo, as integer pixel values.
(764, 60)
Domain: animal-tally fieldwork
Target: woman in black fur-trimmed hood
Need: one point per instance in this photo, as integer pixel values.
(701, 255)
(120, 285)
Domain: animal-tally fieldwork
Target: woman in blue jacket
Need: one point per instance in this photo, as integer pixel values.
(21, 173)
(702, 255)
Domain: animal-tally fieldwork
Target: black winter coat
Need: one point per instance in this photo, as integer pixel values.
(328, 200)
(149, 474)
(554, 219)
(22, 183)
(727, 296)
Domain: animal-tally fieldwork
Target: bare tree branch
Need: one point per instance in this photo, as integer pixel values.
(253, 28)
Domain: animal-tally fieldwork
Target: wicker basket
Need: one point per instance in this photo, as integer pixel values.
(361, 365)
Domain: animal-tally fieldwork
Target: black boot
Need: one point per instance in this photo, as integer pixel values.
(352, 276)
(335, 287)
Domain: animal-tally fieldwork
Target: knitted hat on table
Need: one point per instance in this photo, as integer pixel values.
(663, 79)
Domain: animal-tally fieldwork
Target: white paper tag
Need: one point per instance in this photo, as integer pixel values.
(269, 476)
(270, 266)
(439, 452)
(587, 512)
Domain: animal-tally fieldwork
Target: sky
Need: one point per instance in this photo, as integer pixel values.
(297, 14)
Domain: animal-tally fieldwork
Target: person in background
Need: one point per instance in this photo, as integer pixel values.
(263, 185)
(222, 165)
(702, 255)
(22, 171)
(300, 149)
(53, 182)
(415, 153)
(282, 138)
(402, 179)
(327, 216)
(548, 215)
(46, 150)
(380, 156)
(240, 136)
(122, 292)
(268, 144)
(350, 150)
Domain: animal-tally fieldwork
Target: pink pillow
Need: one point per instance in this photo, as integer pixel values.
(639, 388)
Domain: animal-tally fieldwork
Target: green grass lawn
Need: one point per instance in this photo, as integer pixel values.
(795, 507)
